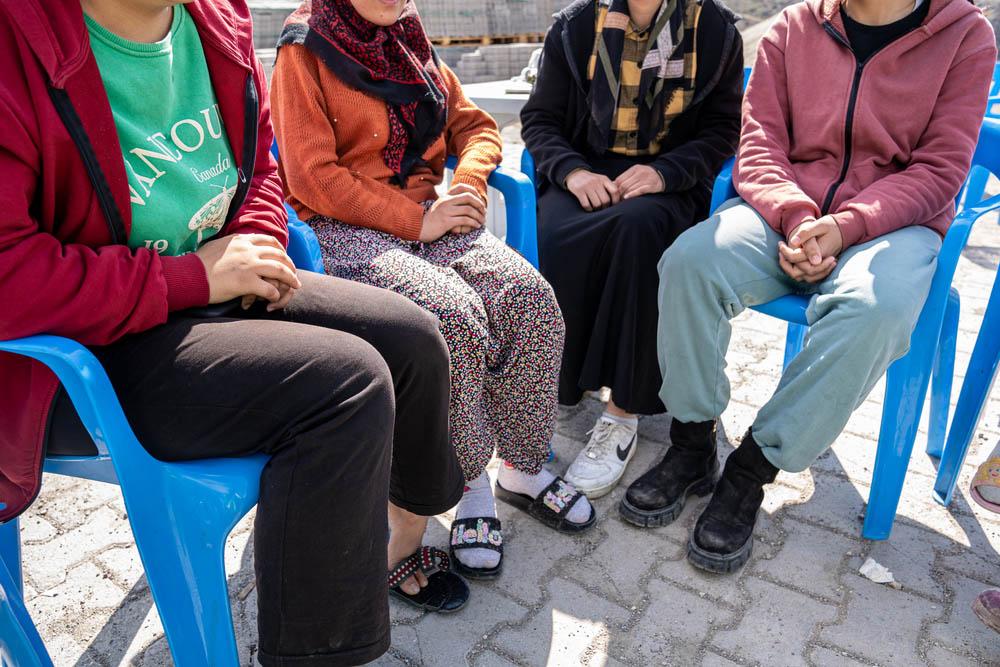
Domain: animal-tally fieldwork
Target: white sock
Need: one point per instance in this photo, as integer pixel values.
(478, 501)
(533, 485)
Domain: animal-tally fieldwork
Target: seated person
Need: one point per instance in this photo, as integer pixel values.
(137, 188)
(366, 115)
(635, 109)
(859, 125)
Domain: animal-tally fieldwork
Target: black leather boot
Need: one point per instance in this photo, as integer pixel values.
(722, 540)
(690, 466)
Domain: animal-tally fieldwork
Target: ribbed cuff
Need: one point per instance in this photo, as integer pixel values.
(471, 179)
(792, 218)
(411, 222)
(852, 227)
(566, 167)
(187, 282)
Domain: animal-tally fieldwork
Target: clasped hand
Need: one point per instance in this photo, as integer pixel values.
(251, 267)
(810, 254)
(597, 191)
(460, 211)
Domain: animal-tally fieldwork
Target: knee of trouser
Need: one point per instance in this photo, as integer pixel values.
(886, 313)
(421, 329)
(532, 298)
(353, 366)
(692, 254)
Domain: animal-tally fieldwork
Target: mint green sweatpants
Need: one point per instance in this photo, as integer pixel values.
(861, 317)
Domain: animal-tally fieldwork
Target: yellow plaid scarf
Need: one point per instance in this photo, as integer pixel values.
(641, 81)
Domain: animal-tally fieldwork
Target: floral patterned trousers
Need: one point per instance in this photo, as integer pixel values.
(499, 317)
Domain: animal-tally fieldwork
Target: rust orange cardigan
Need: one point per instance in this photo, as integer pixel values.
(331, 138)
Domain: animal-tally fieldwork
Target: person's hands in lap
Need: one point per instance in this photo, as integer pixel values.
(810, 254)
(250, 266)
(460, 211)
(593, 191)
(639, 180)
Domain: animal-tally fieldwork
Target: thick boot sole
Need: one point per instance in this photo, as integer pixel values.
(719, 563)
(667, 515)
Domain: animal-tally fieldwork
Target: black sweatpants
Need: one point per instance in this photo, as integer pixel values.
(347, 389)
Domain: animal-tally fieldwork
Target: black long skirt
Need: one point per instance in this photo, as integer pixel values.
(602, 265)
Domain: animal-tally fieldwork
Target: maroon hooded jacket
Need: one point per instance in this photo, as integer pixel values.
(65, 216)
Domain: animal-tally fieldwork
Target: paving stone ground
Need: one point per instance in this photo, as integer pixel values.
(618, 595)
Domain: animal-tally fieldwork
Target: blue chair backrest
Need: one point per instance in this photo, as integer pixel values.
(303, 247)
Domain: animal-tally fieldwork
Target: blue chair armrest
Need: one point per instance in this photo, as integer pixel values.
(723, 189)
(955, 240)
(522, 228)
(519, 194)
(85, 381)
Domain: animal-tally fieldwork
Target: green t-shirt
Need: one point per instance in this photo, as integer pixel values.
(179, 164)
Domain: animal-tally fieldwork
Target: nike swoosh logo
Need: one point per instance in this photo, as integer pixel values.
(623, 453)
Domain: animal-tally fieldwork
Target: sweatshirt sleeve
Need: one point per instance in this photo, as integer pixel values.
(309, 157)
(939, 163)
(543, 118)
(763, 174)
(93, 295)
(472, 135)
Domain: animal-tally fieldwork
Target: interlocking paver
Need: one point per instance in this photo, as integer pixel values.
(775, 626)
(716, 660)
(962, 632)
(573, 626)
(720, 588)
(824, 657)
(619, 563)
(882, 624)
(809, 559)
(484, 614)
(672, 628)
(938, 656)
(910, 555)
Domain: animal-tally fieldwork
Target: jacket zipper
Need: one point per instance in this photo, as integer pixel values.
(69, 117)
(851, 107)
(248, 163)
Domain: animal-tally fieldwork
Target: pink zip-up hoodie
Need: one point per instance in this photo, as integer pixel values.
(880, 145)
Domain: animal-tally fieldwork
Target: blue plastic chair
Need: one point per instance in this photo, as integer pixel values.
(932, 352)
(978, 379)
(180, 513)
(932, 348)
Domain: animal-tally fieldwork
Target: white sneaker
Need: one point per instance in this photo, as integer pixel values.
(602, 462)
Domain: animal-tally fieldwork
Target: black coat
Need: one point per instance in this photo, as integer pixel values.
(557, 116)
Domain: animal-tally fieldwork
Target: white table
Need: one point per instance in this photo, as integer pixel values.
(501, 99)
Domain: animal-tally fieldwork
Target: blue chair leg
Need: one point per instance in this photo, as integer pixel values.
(20, 643)
(900, 416)
(978, 380)
(183, 559)
(794, 338)
(10, 553)
(942, 377)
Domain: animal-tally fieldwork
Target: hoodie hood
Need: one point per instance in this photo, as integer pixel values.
(57, 35)
(940, 14)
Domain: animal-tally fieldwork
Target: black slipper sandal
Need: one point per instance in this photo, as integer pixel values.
(551, 506)
(481, 532)
(445, 592)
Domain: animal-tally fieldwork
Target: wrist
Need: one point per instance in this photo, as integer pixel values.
(186, 279)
